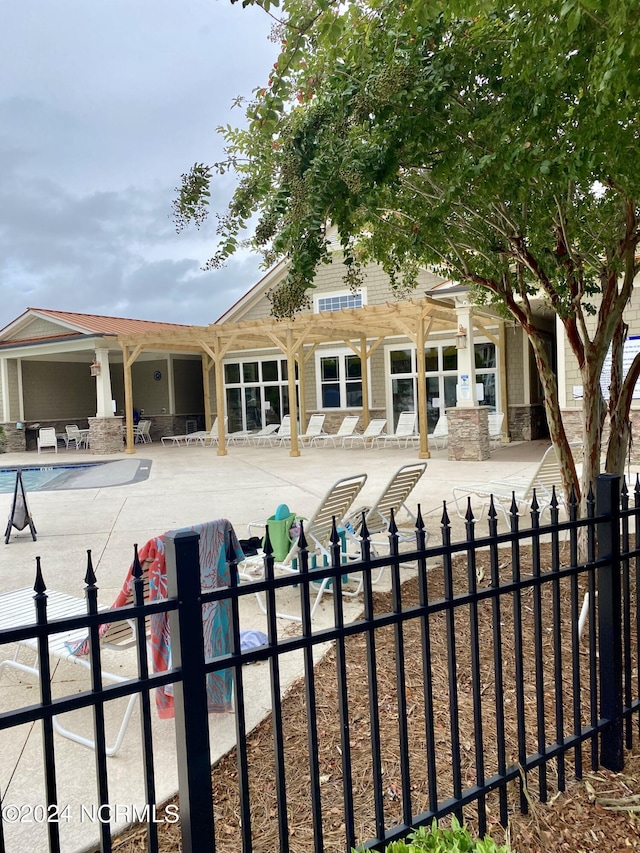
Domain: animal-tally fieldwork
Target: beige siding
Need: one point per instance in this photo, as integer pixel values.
(330, 278)
(37, 328)
(57, 391)
(515, 363)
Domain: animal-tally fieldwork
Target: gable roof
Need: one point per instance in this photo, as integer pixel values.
(72, 324)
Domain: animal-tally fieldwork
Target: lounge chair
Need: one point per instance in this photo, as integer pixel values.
(17, 610)
(318, 529)
(405, 431)
(372, 433)
(440, 434)
(495, 427)
(207, 439)
(392, 500)
(47, 438)
(346, 428)
(315, 429)
(264, 435)
(282, 434)
(546, 475)
(184, 437)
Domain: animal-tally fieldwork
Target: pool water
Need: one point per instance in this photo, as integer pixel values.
(38, 478)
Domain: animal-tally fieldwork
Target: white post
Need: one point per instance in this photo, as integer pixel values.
(104, 395)
(467, 397)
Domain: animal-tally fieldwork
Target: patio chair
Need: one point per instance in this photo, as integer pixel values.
(260, 438)
(17, 609)
(377, 517)
(372, 433)
(495, 427)
(315, 428)
(318, 529)
(440, 434)
(546, 475)
(141, 432)
(405, 431)
(207, 439)
(282, 434)
(47, 438)
(346, 428)
(74, 434)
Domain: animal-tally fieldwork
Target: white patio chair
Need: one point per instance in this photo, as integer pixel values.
(74, 434)
(141, 432)
(377, 517)
(440, 434)
(373, 432)
(495, 427)
(261, 438)
(546, 475)
(315, 428)
(47, 438)
(405, 433)
(318, 529)
(282, 434)
(207, 439)
(346, 428)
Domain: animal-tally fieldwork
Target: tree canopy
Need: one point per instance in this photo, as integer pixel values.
(494, 142)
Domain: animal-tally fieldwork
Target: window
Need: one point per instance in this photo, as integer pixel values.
(339, 380)
(257, 393)
(336, 301)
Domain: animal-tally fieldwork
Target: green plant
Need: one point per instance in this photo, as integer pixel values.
(442, 840)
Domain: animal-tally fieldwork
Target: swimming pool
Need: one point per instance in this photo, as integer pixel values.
(87, 475)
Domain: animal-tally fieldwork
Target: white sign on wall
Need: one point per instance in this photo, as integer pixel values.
(631, 349)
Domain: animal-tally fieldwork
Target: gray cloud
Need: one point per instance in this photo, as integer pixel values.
(103, 106)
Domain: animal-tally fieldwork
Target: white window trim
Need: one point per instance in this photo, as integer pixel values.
(332, 294)
(337, 353)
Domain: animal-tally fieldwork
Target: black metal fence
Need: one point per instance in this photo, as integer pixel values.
(506, 663)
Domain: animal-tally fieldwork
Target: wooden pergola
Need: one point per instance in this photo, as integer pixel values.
(361, 329)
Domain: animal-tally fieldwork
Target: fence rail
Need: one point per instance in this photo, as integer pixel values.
(471, 686)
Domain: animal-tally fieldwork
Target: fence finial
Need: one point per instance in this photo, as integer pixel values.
(39, 586)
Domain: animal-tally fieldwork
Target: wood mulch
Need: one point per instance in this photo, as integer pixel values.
(600, 811)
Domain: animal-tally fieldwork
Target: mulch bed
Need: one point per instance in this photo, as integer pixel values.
(598, 811)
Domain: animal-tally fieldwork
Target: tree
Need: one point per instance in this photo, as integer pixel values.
(495, 142)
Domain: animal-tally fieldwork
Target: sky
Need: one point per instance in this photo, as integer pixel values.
(103, 105)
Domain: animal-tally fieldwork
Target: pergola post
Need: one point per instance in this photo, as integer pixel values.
(293, 404)
(423, 424)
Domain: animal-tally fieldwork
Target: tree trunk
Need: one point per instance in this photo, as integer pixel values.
(554, 417)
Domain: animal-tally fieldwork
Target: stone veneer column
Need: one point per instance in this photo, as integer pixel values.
(15, 439)
(468, 434)
(105, 435)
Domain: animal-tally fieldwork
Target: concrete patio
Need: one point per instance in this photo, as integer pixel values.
(186, 485)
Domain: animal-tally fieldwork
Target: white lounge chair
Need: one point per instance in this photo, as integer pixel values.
(262, 437)
(47, 438)
(182, 438)
(392, 500)
(335, 504)
(440, 434)
(546, 475)
(495, 427)
(282, 434)
(373, 432)
(315, 429)
(17, 609)
(207, 439)
(405, 433)
(346, 428)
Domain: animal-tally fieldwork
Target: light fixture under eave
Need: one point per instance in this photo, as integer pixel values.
(95, 368)
(461, 337)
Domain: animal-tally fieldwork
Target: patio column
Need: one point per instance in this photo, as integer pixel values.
(468, 422)
(104, 394)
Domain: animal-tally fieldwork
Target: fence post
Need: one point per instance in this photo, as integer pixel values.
(190, 695)
(610, 620)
